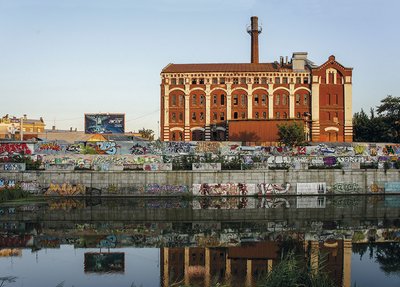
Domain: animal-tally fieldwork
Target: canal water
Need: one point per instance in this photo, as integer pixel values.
(199, 241)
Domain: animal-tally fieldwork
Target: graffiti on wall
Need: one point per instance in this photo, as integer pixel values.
(9, 149)
(65, 189)
(160, 189)
(13, 166)
(272, 188)
(346, 188)
(311, 188)
(7, 183)
(223, 189)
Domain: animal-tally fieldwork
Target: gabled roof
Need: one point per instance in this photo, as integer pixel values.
(225, 68)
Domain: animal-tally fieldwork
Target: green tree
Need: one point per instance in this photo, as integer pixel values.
(291, 134)
(389, 111)
(147, 134)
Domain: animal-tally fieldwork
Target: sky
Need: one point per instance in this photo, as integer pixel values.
(60, 59)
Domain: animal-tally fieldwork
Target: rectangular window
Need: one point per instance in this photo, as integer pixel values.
(264, 100)
(297, 99)
(264, 81)
(181, 100)
(277, 80)
(222, 100)
(256, 115)
(278, 115)
(235, 100)
(215, 116)
(194, 100)
(277, 100)
(222, 116)
(194, 81)
(264, 115)
(194, 116)
(256, 100)
(235, 81)
(173, 81)
(256, 80)
(173, 100)
(243, 80)
(181, 81)
(201, 116)
(305, 80)
(173, 117)
(305, 102)
(201, 81)
(180, 116)
(285, 80)
(222, 81)
(201, 100)
(215, 81)
(298, 80)
(244, 100)
(243, 115)
(215, 99)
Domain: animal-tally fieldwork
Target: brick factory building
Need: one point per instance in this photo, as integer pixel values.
(246, 101)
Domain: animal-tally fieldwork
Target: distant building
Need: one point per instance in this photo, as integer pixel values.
(20, 128)
(206, 101)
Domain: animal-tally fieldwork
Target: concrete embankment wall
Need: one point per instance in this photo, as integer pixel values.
(124, 180)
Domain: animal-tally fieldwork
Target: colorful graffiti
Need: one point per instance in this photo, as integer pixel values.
(8, 149)
(65, 189)
(7, 183)
(157, 189)
(48, 146)
(11, 166)
(272, 188)
(223, 189)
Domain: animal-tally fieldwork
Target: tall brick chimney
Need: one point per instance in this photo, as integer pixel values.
(254, 30)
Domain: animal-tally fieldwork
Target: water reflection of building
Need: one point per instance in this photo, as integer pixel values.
(244, 265)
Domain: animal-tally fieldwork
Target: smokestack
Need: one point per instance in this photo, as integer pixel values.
(254, 30)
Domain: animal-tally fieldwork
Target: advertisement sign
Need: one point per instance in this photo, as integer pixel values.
(104, 123)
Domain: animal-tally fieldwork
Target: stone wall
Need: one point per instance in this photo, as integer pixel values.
(131, 182)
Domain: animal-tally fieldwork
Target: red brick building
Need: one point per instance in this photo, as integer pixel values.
(206, 101)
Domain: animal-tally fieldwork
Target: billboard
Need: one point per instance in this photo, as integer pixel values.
(104, 123)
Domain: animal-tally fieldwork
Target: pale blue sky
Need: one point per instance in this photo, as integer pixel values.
(60, 59)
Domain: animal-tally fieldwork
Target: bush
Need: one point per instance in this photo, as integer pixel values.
(12, 194)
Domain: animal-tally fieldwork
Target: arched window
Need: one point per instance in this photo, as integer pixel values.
(235, 115)
(284, 100)
(194, 100)
(278, 115)
(264, 100)
(284, 115)
(222, 100)
(277, 99)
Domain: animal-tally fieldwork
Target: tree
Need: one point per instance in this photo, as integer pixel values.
(383, 127)
(147, 134)
(389, 110)
(291, 134)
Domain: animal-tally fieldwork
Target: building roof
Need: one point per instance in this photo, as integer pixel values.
(225, 68)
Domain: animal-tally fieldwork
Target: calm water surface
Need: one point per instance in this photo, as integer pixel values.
(153, 242)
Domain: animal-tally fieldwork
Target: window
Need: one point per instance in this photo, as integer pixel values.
(305, 80)
(285, 81)
(244, 100)
(173, 136)
(194, 100)
(181, 81)
(194, 81)
(256, 100)
(215, 117)
(264, 81)
(201, 117)
(181, 100)
(215, 81)
(264, 115)
(180, 116)
(173, 117)
(222, 81)
(277, 100)
(329, 99)
(256, 80)
(173, 100)
(298, 80)
(278, 115)
(264, 100)
(235, 115)
(235, 100)
(201, 81)
(336, 99)
(298, 115)
(305, 100)
(243, 115)
(277, 80)
(222, 100)
(243, 80)
(235, 81)
(201, 100)
(256, 115)
(222, 116)
(215, 99)
(284, 100)
(284, 115)
(297, 99)
(39, 130)
(194, 116)
(173, 81)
